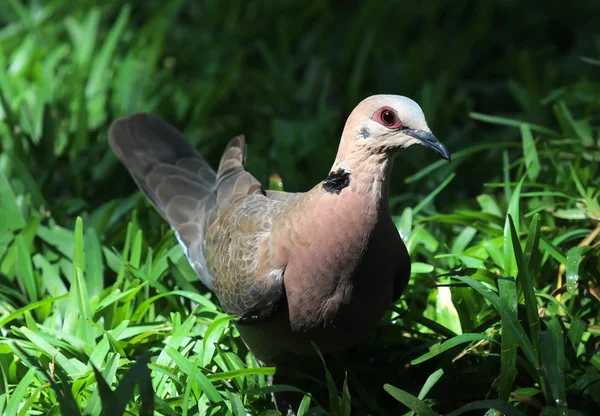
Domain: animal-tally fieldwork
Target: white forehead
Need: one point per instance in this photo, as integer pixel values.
(409, 111)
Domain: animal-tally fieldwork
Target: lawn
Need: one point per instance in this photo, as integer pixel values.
(100, 313)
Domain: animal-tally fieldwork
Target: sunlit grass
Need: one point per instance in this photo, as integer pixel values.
(99, 310)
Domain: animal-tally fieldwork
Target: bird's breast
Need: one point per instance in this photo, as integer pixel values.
(340, 271)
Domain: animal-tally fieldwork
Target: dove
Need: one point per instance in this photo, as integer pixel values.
(294, 268)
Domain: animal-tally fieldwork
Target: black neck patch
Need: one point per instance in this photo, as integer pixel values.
(336, 181)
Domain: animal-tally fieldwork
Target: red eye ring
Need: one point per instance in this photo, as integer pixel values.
(387, 117)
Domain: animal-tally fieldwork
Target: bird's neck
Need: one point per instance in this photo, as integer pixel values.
(367, 178)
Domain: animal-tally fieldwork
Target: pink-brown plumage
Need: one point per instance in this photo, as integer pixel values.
(318, 266)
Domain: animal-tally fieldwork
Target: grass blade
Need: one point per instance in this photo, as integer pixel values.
(574, 256)
(14, 216)
(508, 296)
(512, 123)
(526, 279)
(25, 270)
(552, 359)
(5, 320)
(510, 321)
(532, 160)
(499, 405)
(138, 373)
(432, 194)
(431, 380)
(188, 367)
(437, 349)
(509, 343)
(78, 252)
(410, 401)
(94, 276)
(18, 394)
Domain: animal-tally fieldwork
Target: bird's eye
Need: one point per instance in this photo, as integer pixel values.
(387, 117)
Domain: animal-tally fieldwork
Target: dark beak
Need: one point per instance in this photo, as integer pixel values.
(427, 139)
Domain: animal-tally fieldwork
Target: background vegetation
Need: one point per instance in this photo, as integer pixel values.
(99, 311)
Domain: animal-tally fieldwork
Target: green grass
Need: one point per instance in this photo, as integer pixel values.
(100, 312)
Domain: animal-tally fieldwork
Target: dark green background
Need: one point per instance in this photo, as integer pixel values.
(287, 73)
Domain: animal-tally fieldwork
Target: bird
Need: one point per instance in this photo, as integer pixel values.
(295, 269)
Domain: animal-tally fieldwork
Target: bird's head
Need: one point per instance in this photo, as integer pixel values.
(388, 123)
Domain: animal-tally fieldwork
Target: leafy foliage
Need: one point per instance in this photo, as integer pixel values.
(100, 312)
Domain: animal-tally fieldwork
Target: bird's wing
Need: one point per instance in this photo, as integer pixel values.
(221, 218)
(246, 280)
(241, 257)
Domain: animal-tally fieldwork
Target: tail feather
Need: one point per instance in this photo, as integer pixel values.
(232, 178)
(174, 177)
(156, 154)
